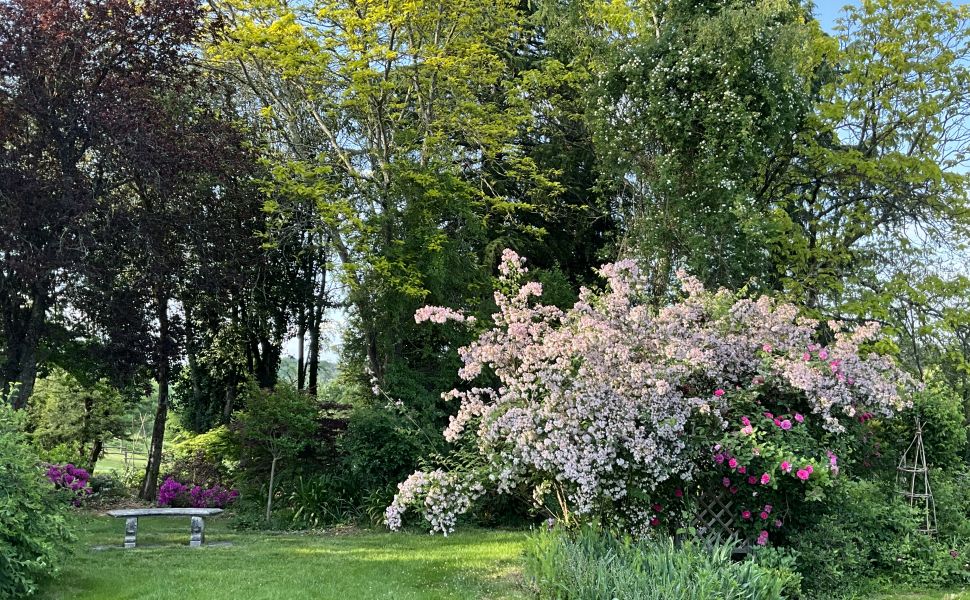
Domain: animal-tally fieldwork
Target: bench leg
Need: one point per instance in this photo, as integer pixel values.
(197, 532)
(131, 530)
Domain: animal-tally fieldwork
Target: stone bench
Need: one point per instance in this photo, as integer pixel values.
(196, 530)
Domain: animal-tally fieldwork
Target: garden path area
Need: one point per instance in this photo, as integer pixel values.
(263, 566)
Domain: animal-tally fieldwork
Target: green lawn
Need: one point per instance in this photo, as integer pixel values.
(917, 595)
(342, 566)
(260, 566)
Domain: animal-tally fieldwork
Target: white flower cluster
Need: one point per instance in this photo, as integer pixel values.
(595, 402)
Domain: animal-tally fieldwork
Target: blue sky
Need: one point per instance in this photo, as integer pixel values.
(827, 11)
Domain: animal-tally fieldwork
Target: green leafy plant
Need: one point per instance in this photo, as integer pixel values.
(592, 564)
(275, 427)
(33, 533)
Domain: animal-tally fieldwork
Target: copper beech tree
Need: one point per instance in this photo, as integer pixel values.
(115, 179)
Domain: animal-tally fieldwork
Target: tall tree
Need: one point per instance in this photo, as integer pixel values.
(879, 170)
(74, 76)
(393, 120)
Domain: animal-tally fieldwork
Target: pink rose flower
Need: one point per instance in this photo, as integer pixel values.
(799, 418)
(752, 480)
(778, 523)
(810, 469)
(762, 538)
(733, 462)
(786, 466)
(764, 516)
(767, 508)
(765, 478)
(766, 347)
(726, 482)
(786, 425)
(806, 357)
(823, 354)
(742, 469)
(718, 392)
(768, 415)
(746, 515)
(803, 474)
(745, 421)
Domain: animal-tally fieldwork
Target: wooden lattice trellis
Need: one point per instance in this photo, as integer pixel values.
(715, 511)
(914, 478)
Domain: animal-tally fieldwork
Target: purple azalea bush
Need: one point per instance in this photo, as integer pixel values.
(180, 495)
(72, 479)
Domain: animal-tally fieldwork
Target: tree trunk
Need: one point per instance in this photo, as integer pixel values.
(20, 369)
(269, 494)
(96, 449)
(301, 357)
(318, 308)
(149, 487)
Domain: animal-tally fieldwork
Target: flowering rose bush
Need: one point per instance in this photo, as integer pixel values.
(173, 493)
(601, 406)
(75, 481)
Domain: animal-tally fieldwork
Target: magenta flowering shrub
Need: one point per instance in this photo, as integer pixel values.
(600, 406)
(75, 481)
(179, 495)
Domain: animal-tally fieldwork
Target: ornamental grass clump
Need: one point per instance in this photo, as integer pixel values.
(589, 564)
(611, 408)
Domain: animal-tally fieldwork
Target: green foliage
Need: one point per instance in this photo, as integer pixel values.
(783, 564)
(206, 459)
(275, 428)
(692, 117)
(380, 448)
(276, 423)
(33, 532)
(951, 492)
(868, 533)
(590, 564)
(67, 414)
(940, 411)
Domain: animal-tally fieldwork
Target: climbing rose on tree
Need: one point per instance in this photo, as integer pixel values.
(594, 403)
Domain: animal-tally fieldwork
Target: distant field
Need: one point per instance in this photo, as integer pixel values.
(114, 460)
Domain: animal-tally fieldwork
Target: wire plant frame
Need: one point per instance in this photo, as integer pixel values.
(914, 479)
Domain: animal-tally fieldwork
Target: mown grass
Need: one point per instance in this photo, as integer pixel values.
(261, 566)
(922, 595)
(349, 565)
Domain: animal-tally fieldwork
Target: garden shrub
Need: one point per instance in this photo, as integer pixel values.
(73, 482)
(951, 492)
(276, 428)
(379, 447)
(940, 411)
(109, 486)
(180, 495)
(591, 565)
(610, 409)
(33, 534)
(207, 459)
(869, 534)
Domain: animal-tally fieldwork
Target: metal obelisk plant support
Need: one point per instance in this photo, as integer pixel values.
(914, 477)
